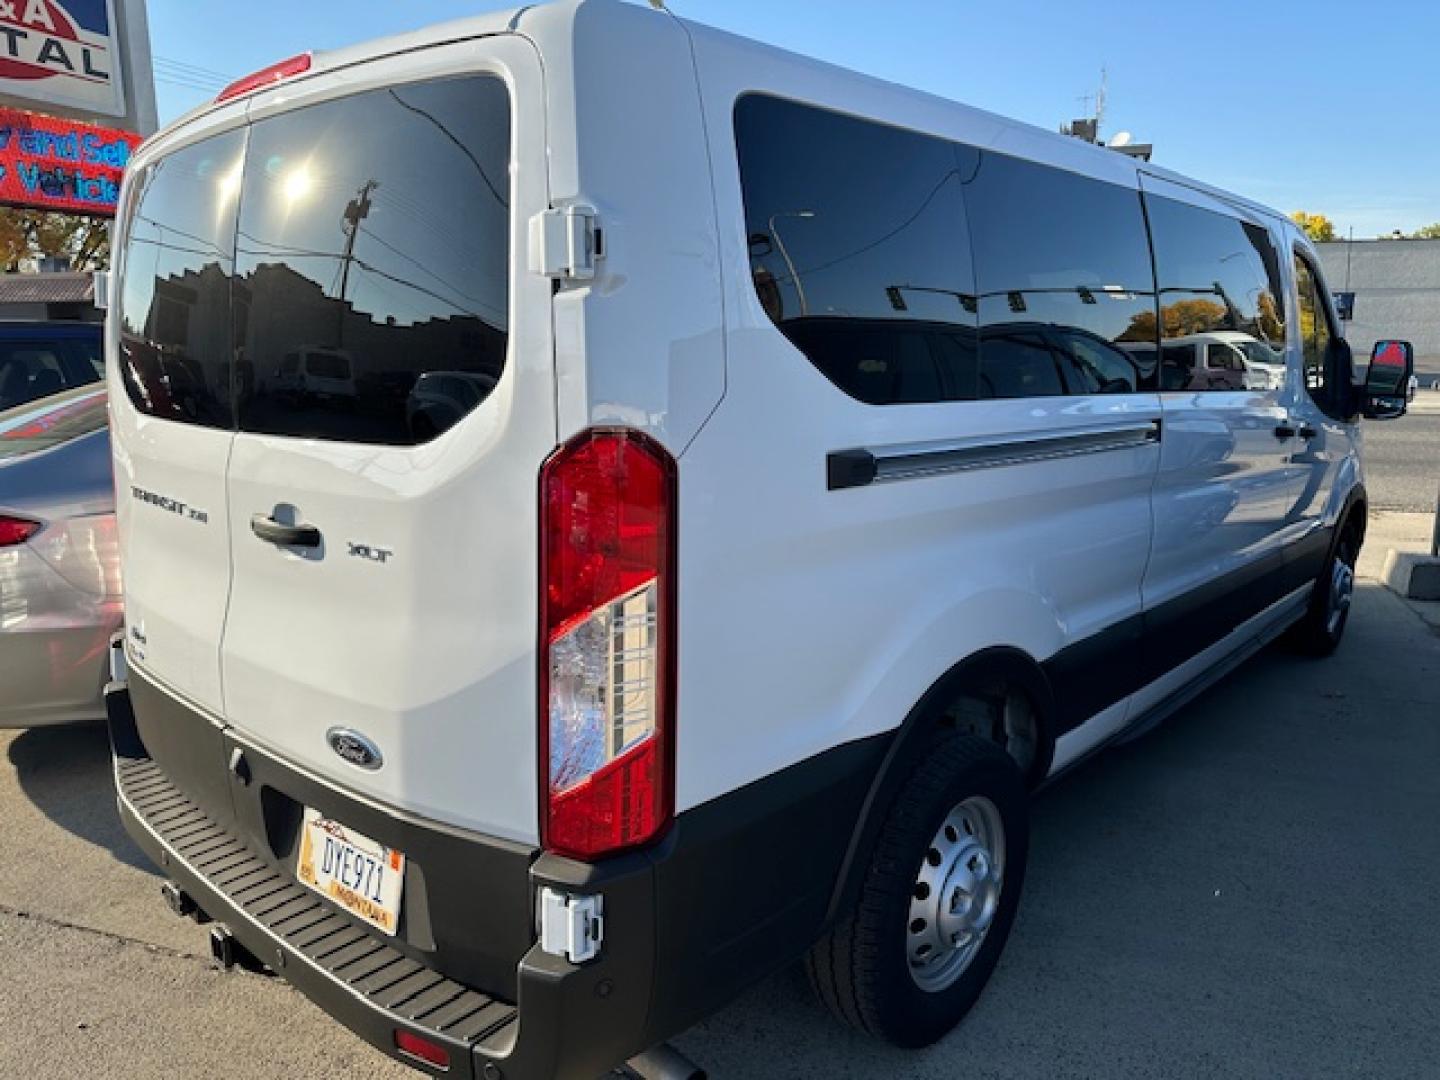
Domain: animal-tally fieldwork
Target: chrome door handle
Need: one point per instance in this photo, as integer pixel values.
(273, 532)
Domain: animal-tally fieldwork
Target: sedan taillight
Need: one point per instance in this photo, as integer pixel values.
(607, 633)
(14, 530)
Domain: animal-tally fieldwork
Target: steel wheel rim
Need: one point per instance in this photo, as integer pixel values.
(956, 894)
(1342, 593)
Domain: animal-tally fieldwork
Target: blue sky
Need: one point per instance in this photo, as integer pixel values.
(1329, 107)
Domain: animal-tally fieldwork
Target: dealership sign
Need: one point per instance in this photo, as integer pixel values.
(54, 164)
(62, 53)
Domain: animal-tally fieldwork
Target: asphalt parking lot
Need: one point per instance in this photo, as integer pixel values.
(1402, 458)
(1249, 891)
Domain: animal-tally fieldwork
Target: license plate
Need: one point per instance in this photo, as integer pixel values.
(363, 877)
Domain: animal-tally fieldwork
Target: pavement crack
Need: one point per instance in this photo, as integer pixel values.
(122, 939)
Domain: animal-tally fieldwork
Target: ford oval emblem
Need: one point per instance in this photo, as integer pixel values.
(355, 748)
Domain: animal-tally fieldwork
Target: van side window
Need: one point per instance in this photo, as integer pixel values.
(1315, 334)
(178, 269)
(1064, 259)
(859, 249)
(861, 239)
(1222, 311)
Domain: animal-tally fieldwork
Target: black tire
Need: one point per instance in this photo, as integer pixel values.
(860, 969)
(1321, 630)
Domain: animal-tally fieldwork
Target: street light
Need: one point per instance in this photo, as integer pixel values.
(785, 254)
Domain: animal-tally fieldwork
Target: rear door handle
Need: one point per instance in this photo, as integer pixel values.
(273, 532)
(1308, 432)
(1284, 431)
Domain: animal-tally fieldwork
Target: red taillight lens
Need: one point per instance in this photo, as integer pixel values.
(15, 530)
(607, 630)
(423, 1049)
(296, 65)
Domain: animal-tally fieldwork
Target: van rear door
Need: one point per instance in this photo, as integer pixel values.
(385, 541)
(171, 412)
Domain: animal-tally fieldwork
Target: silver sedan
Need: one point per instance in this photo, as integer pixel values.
(59, 568)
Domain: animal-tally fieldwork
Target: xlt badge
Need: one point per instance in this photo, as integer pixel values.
(371, 554)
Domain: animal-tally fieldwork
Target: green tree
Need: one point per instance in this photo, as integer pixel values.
(32, 234)
(1427, 232)
(1316, 226)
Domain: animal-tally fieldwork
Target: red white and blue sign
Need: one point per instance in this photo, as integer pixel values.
(62, 53)
(53, 164)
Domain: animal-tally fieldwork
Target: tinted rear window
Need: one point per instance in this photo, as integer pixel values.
(374, 241)
(371, 247)
(175, 338)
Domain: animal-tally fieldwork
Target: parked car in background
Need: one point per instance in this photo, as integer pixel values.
(38, 359)
(1221, 360)
(59, 567)
(441, 398)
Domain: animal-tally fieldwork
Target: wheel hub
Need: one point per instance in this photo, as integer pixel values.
(957, 893)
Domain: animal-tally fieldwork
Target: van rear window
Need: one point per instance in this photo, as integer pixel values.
(370, 247)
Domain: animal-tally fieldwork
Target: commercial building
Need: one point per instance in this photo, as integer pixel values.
(1397, 290)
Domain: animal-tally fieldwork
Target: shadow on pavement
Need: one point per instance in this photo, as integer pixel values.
(1214, 898)
(65, 771)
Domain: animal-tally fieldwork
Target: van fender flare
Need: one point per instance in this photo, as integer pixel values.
(1356, 506)
(910, 740)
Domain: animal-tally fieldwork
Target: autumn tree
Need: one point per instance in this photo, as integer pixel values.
(1316, 226)
(34, 234)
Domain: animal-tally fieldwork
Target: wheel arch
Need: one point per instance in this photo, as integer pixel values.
(1356, 508)
(1000, 664)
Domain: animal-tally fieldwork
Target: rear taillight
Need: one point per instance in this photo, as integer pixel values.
(295, 65)
(607, 624)
(15, 530)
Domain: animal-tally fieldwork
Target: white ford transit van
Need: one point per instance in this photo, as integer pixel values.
(820, 494)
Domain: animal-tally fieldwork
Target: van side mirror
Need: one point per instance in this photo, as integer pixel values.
(1388, 382)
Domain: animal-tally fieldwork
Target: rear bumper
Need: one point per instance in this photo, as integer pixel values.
(737, 889)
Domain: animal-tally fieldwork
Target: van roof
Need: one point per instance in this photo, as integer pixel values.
(541, 21)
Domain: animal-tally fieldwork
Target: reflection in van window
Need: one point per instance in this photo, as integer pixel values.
(174, 309)
(1221, 300)
(861, 255)
(1314, 336)
(859, 249)
(1062, 259)
(373, 249)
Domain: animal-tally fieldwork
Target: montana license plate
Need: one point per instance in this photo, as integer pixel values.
(363, 877)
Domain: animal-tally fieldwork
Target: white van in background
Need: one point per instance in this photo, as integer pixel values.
(819, 495)
(1221, 360)
(315, 374)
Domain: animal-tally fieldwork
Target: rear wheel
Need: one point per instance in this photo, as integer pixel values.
(1321, 630)
(911, 957)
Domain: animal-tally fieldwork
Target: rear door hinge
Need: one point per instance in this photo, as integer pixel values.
(565, 243)
(571, 926)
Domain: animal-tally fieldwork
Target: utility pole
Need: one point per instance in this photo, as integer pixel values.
(356, 211)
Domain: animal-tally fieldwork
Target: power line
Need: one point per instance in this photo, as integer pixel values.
(204, 88)
(195, 69)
